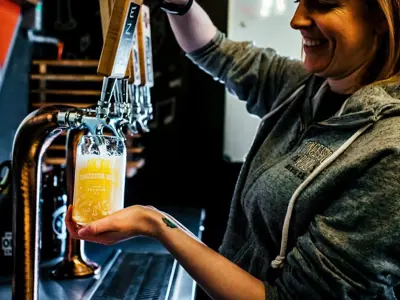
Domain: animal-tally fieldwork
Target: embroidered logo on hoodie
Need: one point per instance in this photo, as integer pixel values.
(310, 156)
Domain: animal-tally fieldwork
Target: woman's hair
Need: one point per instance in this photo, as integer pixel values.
(387, 57)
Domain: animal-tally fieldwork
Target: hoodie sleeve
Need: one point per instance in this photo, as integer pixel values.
(253, 74)
(352, 250)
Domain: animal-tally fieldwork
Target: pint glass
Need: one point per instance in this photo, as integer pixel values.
(99, 178)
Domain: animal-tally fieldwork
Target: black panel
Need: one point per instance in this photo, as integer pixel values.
(143, 276)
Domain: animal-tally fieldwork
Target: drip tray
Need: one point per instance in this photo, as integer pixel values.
(141, 276)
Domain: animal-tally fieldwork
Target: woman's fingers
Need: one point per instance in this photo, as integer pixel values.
(119, 226)
(90, 232)
(97, 227)
(106, 238)
(68, 216)
(71, 225)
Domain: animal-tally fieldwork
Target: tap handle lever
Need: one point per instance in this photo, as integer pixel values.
(134, 81)
(145, 49)
(103, 105)
(125, 103)
(107, 90)
(106, 7)
(134, 109)
(125, 91)
(146, 61)
(118, 40)
(118, 99)
(134, 58)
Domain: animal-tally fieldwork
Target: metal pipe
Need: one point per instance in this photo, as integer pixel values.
(34, 135)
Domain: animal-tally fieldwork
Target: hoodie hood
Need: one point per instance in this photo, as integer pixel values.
(368, 105)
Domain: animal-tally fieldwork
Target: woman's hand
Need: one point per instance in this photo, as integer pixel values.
(120, 226)
(218, 276)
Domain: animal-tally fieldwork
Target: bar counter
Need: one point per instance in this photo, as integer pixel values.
(181, 286)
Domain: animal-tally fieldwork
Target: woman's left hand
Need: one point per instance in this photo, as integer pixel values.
(120, 226)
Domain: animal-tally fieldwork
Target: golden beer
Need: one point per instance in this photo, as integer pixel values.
(99, 183)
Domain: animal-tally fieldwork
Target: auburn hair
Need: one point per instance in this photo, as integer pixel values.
(390, 43)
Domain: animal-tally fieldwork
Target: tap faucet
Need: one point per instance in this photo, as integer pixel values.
(146, 68)
(35, 134)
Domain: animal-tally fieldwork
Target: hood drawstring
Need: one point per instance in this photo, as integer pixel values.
(279, 261)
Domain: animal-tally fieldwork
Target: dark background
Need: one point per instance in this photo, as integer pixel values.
(184, 159)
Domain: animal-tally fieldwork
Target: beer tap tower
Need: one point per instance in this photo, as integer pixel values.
(124, 101)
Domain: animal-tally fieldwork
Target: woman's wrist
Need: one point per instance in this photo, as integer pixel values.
(153, 222)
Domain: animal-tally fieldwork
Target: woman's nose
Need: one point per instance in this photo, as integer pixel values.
(301, 18)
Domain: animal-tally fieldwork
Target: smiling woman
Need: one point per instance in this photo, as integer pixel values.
(388, 54)
(316, 212)
(335, 30)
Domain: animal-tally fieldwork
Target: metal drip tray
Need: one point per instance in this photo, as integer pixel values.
(142, 276)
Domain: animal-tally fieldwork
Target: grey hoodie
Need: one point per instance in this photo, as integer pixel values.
(316, 209)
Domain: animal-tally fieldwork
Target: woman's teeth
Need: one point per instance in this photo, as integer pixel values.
(313, 43)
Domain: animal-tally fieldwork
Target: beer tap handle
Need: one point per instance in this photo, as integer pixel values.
(134, 83)
(134, 58)
(132, 72)
(118, 41)
(146, 64)
(106, 7)
(115, 54)
(145, 50)
(105, 13)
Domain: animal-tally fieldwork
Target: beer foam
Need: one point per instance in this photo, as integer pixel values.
(103, 150)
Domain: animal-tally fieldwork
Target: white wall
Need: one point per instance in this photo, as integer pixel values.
(266, 22)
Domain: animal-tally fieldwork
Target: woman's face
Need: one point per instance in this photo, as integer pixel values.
(339, 39)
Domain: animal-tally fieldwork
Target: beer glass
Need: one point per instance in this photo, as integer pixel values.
(99, 178)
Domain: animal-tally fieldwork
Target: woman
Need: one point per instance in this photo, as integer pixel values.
(316, 211)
